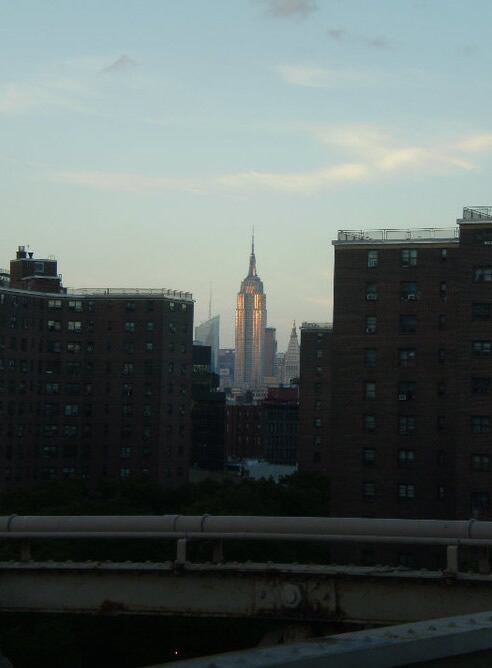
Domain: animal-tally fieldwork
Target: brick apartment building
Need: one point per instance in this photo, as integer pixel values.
(94, 384)
(409, 421)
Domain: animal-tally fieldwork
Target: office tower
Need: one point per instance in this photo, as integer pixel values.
(411, 373)
(270, 352)
(291, 361)
(251, 318)
(94, 384)
(207, 334)
(226, 368)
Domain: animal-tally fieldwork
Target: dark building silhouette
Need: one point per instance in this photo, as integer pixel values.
(266, 430)
(315, 396)
(207, 414)
(411, 373)
(94, 384)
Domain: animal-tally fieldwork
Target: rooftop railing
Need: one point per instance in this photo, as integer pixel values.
(388, 234)
(477, 213)
(317, 325)
(130, 292)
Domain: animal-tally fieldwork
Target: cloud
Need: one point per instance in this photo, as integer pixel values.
(343, 36)
(367, 154)
(319, 77)
(299, 9)
(18, 98)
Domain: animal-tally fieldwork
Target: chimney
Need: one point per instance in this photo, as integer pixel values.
(30, 255)
(21, 253)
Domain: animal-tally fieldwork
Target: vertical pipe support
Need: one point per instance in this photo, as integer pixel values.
(181, 545)
(452, 561)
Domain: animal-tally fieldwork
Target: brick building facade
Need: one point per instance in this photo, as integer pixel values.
(411, 372)
(94, 384)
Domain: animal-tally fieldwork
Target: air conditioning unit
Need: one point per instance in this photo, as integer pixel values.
(411, 297)
(371, 297)
(402, 397)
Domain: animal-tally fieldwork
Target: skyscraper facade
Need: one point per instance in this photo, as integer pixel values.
(207, 334)
(251, 319)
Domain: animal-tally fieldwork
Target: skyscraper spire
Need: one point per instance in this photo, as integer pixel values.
(252, 257)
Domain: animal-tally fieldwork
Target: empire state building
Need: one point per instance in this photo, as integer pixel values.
(251, 320)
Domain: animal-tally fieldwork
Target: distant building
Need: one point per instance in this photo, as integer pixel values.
(226, 368)
(207, 334)
(207, 414)
(291, 361)
(95, 384)
(265, 429)
(251, 319)
(315, 396)
(270, 352)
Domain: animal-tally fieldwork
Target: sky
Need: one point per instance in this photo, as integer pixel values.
(140, 140)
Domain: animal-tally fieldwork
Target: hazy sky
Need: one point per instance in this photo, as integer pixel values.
(140, 140)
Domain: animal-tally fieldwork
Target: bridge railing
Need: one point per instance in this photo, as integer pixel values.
(186, 528)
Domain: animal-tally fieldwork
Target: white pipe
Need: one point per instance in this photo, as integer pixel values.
(261, 526)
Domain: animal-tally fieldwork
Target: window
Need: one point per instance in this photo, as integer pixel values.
(408, 257)
(372, 258)
(39, 267)
(406, 491)
(481, 311)
(172, 306)
(70, 430)
(480, 385)
(71, 410)
(368, 456)
(125, 452)
(147, 410)
(407, 357)
(441, 388)
(371, 324)
(54, 346)
(74, 326)
(371, 292)
(444, 254)
(408, 290)
(124, 473)
(441, 321)
(480, 503)
(316, 422)
(150, 326)
(406, 390)
(407, 424)
(443, 291)
(73, 347)
(149, 346)
(369, 390)
(129, 326)
(127, 390)
(369, 423)
(52, 388)
(127, 369)
(368, 489)
(370, 358)
(480, 424)
(54, 325)
(54, 303)
(480, 348)
(128, 347)
(75, 305)
(482, 275)
(127, 410)
(480, 462)
(408, 324)
(441, 355)
(406, 457)
(441, 423)
(130, 306)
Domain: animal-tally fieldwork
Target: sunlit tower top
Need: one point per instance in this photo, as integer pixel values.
(251, 319)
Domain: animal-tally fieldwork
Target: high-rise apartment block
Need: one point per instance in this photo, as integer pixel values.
(409, 420)
(251, 320)
(94, 384)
